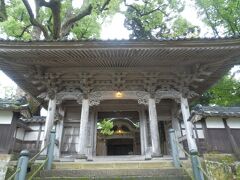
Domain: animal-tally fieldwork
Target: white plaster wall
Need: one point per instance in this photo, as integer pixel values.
(31, 136)
(200, 134)
(4, 161)
(20, 133)
(182, 125)
(198, 124)
(183, 132)
(43, 127)
(214, 122)
(233, 123)
(35, 127)
(6, 117)
(41, 136)
(199, 131)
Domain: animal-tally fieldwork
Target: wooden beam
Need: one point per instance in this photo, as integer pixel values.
(232, 140)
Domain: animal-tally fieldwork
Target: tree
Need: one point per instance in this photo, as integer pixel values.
(3, 14)
(54, 19)
(223, 16)
(61, 19)
(225, 93)
(105, 126)
(158, 19)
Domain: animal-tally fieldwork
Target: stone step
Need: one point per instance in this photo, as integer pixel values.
(117, 178)
(170, 173)
(113, 165)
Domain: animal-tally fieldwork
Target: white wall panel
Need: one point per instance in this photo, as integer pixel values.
(43, 127)
(183, 132)
(200, 134)
(233, 123)
(41, 137)
(214, 122)
(31, 136)
(20, 133)
(34, 127)
(198, 124)
(6, 117)
(182, 125)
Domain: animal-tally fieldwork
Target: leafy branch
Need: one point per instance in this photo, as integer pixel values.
(105, 127)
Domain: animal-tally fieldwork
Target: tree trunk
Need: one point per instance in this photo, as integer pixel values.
(3, 13)
(36, 32)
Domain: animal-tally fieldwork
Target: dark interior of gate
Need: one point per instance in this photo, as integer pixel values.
(125, 139)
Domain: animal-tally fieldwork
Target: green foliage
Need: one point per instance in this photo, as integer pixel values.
(181, 27)
(105, 127)
(225, 93)
(12, 169)
(221, 15)
(158, 19)
(34, 106)
(87, 28)
(17, 20)
(56, 19)
(221, 166)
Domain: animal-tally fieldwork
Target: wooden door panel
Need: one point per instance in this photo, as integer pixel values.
(70, 139)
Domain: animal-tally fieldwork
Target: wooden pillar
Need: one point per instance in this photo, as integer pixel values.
(49, 121)
(59, 133)
(177, 127)
(154, 127)
(232, 140)
(143, 131)
(83, 128)
(95, 132)
(39, 136)
(205, 130)
(195, 161)
(188, 125)
(90, 135)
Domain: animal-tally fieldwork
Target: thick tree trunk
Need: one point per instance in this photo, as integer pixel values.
(3, 13)
(36, 32)
(56, 9)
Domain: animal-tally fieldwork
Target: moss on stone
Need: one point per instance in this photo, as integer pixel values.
(221, 166)
(223, 158)
(12, 169)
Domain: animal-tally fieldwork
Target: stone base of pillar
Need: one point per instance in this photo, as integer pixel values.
(156, 155)
(89, 154)
(148, 154)
(81, 156)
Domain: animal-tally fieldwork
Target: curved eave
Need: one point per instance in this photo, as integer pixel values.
(125, 55)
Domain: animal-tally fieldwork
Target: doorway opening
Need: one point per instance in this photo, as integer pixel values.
(117, 147)
(125, 137)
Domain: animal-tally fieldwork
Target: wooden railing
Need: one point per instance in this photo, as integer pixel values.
(198, 171)
(24, 162)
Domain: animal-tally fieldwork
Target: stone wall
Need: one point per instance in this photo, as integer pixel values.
(4, 159)
(221, 166)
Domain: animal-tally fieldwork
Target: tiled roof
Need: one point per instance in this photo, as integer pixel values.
(11, 104)
(118, 40)
(219, 111)
(35, 119)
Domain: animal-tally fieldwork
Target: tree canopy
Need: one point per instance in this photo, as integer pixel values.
(54, 19)
(223, 16)
(64, 19)
(158, 19)
(224, 93)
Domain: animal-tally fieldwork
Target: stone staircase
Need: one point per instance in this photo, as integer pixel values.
(160, 169)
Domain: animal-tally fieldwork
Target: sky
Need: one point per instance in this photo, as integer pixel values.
(120, 32)
(115, 30)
